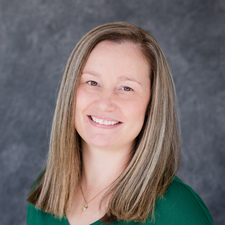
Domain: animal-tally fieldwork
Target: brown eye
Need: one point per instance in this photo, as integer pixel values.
(127, 88)
(92, 83)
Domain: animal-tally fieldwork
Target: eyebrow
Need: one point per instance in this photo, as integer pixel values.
(90, 72)
(126, 78)
(121, 78)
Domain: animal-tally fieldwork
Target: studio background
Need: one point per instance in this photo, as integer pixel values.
(36, 39)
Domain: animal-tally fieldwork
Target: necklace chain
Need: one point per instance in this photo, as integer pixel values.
(87, 202)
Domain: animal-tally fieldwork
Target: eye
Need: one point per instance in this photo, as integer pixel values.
(125, 88)
(92, 83)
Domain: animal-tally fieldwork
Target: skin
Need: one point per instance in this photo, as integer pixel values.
(114, 86)
(114, 89)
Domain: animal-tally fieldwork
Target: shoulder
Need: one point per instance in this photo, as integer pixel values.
(181, 205)
(38, 217)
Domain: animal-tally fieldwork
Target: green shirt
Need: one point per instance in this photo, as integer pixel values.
(180, 205)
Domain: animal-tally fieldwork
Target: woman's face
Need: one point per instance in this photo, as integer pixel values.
(112, 96)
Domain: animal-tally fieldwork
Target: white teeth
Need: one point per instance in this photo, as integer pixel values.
(104, 122)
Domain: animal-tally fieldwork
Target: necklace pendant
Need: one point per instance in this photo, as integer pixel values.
(85, 207)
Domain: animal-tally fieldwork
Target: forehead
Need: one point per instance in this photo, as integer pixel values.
(111, 43)
(118, 62)
(129, 53)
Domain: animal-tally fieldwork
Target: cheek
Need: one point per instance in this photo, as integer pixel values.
(137, 109)
(79, 106)
(79, 96)
(82, 100)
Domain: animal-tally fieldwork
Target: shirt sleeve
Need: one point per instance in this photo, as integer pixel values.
(182, 206)
(38, 217)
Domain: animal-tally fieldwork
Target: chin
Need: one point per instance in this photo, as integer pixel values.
(99, 141)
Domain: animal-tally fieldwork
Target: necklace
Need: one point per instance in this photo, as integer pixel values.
(87, 202)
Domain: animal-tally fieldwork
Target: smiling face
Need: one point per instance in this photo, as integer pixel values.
(112, 96)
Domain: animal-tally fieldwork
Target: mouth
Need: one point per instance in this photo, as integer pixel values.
(104, 121)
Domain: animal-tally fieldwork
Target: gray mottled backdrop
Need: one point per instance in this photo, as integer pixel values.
(36, 38)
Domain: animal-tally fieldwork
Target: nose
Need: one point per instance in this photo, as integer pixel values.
(106, 101)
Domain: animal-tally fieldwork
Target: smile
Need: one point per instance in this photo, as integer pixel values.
(104, 122)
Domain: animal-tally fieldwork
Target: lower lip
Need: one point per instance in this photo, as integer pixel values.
(102, 125)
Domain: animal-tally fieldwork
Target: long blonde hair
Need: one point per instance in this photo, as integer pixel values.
(157, 148)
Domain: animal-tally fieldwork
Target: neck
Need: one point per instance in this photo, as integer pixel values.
(102, 166)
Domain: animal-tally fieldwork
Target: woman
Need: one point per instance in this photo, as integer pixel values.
(114, 147)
